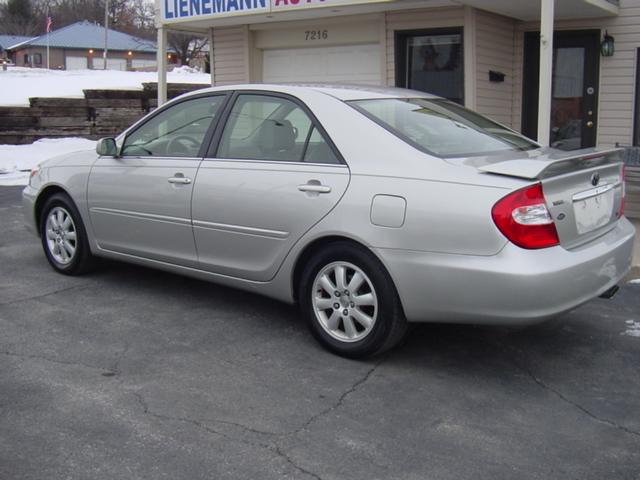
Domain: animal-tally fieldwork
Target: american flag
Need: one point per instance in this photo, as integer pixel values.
(49, 22)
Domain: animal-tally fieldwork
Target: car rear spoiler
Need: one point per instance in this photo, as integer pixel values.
(553, 164)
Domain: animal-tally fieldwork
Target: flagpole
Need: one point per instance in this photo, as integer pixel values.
(48, 31)
(106, 33)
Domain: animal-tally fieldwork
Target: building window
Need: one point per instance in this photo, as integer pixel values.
(26, 59)
(431, 61)
(37, 58)
(636, 116)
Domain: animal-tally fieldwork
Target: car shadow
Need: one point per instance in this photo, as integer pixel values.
(427, 344)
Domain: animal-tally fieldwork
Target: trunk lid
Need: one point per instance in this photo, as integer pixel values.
(583, 189)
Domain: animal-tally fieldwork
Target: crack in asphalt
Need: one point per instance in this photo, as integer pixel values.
(271, 447)
(52, 360)
(576, 405)
(241, 426)
(279, 451)
(538, 381)
(341, 399)
(115, 368)
(43, 295)
(276, 446)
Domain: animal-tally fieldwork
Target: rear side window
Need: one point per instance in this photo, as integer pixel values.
(319, 151)
(177, 131)
(442, 128)
(262, 127)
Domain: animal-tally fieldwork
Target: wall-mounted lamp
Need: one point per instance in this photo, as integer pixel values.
(169, 56)
(130, 53)
(608, 45)
(91, 51)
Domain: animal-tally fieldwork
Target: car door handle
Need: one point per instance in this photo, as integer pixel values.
(313, 188)
(180, 180)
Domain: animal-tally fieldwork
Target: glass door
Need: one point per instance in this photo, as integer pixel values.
(431, 61)
(574, 92)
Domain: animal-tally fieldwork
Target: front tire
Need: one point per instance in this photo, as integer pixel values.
(64, 238)
(350, 302)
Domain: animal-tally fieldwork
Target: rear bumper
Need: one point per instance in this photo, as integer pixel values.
(514, 287)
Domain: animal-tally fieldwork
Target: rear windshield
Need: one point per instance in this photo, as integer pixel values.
(442, 128)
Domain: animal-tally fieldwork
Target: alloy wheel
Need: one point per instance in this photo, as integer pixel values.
(344, 301)
(61, 235)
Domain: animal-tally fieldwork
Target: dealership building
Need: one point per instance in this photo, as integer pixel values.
(564, 71)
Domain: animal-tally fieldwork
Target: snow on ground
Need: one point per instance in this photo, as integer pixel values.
(633, 329)
(16, 161)
(18, 84)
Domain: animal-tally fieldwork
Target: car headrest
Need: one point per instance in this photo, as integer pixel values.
(276, 135)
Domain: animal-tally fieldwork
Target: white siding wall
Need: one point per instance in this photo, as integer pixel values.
(230, 53)
(495, 50)
(417, 20)
(617, 73)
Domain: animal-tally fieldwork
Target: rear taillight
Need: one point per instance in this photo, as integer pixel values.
(623, 176)
(523, 217)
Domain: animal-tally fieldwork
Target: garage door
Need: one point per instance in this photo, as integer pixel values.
(341, 64)
(112, 64)
(76, 63)
(142, 63)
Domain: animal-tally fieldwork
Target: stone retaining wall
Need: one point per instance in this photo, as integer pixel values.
(99, 114)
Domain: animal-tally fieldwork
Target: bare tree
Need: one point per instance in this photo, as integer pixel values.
(187, 46)
(17, 18)
(135, 17)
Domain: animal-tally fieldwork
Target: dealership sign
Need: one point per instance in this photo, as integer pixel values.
(185, 10)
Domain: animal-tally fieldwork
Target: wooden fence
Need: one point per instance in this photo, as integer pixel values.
(100, 113)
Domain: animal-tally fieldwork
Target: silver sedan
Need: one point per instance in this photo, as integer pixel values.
(369, 208)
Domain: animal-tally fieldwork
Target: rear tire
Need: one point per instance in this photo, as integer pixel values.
(350, 302)
(63, 236)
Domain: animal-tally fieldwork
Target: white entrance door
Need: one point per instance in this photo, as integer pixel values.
(341, 64)
(76, 63)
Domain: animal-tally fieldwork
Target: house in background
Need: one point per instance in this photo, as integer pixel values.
(81, 45)
(8, 41)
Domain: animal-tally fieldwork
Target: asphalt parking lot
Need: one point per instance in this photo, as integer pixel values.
(130, 373)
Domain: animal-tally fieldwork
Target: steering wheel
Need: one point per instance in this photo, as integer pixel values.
(183, 145)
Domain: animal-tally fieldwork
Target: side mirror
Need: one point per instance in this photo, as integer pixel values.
(107, 147)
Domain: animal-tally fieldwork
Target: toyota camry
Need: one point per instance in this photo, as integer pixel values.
(369, 208)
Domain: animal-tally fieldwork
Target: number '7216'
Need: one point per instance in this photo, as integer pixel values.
(316, 34)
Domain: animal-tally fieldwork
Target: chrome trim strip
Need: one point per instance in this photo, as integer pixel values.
(273, 162)
(259, 232)
(594, 192)
(152, 157)
(143, 216)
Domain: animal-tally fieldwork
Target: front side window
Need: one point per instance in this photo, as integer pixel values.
(262, 127)
(176, 132)
(442, 128)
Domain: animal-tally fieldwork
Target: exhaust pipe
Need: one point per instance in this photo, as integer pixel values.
(611, 292)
